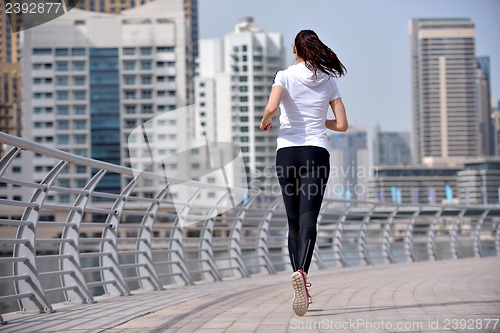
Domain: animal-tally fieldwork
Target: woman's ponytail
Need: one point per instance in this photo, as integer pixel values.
(317, 55)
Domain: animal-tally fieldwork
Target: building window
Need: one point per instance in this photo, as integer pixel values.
(80, 109)
(64, 183)
(78, 65)
(63, 124)
(147, 109)
(129, 80)
(62, 52)
(62, 80)
(42, 51)
(128, 51)
(130, 123)
(62, 109)
(130, 109)
(146, 50)
(165, 49)
(61, 66)
(146, 79)
(16, 169)
(146, 94)
(81, 152)
(80, 139)
(145, 65)
(62, 95)
(80, 124)
(79, 81)
(79, 95)
(129, 65)
(129, 94)
(78, 51)
(62, 139)
(81, 169)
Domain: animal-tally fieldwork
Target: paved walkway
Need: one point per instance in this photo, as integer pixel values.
(453, 295)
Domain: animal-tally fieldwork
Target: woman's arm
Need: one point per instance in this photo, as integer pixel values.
(338, 124)
(271, 108)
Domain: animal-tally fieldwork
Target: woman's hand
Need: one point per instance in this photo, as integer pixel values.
(271, 108)
(266, 125)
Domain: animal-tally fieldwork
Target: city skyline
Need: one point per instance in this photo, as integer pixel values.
(345, 30)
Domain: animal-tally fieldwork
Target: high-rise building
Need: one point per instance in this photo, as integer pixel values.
(191, 16)
(484, 106)
(10, 79)
(445, 94)
(391, 148)
(10, 51)
(495, 117)
(235, 77)
(85, 90)
(349, 165)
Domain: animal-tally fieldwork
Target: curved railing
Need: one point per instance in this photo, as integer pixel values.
(114, 243)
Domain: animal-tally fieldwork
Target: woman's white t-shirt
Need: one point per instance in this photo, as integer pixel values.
(304, 106)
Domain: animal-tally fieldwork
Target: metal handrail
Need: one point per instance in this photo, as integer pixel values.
(142, 243)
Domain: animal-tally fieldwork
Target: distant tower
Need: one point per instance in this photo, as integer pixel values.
(235, 77)
(391, 148)
(484, 106)
(349, 164)
(445, 97)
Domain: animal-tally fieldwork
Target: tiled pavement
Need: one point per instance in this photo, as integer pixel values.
(451, 295)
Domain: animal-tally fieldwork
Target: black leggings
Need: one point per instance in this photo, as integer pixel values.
(302, 173)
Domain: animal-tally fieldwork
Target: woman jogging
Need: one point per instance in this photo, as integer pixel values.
(303, 92)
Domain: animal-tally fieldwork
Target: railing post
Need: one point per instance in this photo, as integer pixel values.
(431, 236)
(338, 252)
(478, 251)
(73, 232)
(454, 234)
(235, 238)
(28, 250)
(386, 237)
(177, 251)
(318, 260)
(408, 240)
(145, 255)
(7, 159)
(119, 286)
(206, 248)
(262, 246)
(364, 256)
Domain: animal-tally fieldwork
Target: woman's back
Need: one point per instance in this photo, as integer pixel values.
(304, 105)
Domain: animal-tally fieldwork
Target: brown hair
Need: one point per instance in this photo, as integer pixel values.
(317, 55)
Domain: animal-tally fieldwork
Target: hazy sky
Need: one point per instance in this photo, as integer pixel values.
(371, 39)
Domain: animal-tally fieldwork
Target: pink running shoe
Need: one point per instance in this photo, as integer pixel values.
(301, 297)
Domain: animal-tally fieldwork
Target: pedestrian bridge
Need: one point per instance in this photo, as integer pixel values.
(77, 269)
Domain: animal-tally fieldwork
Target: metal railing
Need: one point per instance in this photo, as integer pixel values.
(114, 243)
